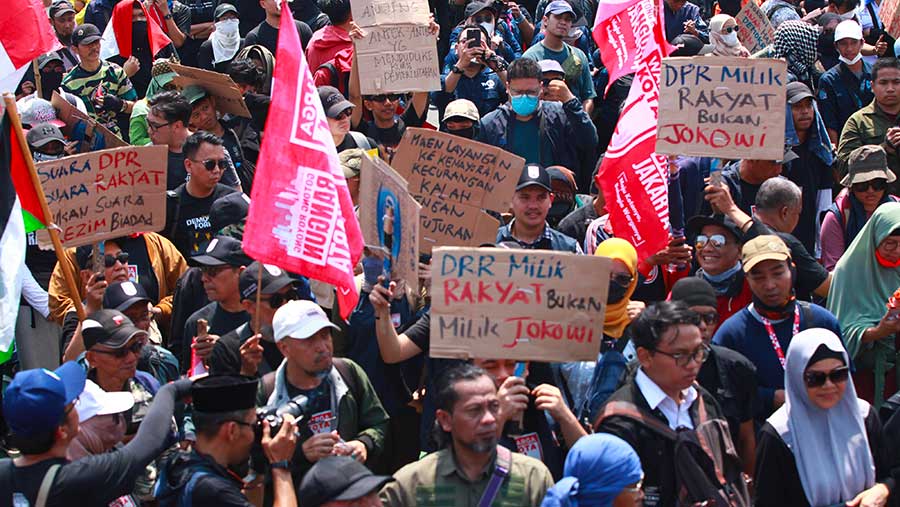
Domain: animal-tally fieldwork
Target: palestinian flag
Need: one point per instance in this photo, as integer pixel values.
(20, 212)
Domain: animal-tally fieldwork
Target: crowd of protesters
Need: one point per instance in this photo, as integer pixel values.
(765, 329)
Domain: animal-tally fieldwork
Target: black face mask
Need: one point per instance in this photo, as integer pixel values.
(616, 293)
(826, 44)
(139, 36)
(468, 133)
(50, 81)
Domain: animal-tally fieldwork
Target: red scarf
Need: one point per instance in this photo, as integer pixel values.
(121, 23)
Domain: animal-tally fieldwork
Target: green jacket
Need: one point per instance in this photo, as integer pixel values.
(867, 126)
(360, 414)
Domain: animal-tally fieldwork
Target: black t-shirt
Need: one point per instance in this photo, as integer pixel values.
(40, 262)
(189, 227)
(349, 143)
(743, 193)
(205, 58)
(140, 268)
(390, 137)
(226, 355)
(811, 174)
(731, 379)
(265, 35)
(176, 174)
(420, 332)
(220, 323)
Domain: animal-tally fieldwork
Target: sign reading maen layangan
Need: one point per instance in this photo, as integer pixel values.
(106, 194)
(497, 303)
(722, 107)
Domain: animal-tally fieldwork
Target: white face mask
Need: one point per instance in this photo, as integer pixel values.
(227, 27)
(488, 27)
(847, 61)
(730, 39)
(43, 157)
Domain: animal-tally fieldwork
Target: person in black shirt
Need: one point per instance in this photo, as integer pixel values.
(225, 419)
(266, 33)
(39, 407)
(221, 266)
(744, 177)
(188, 224)
(338, 112)
(201, 27)
(217, 52)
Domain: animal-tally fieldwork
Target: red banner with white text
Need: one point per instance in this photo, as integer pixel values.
(301, 216)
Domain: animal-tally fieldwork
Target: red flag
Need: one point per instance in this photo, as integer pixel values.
(25, 34)
(117, 35)
(633, 178)
(613, 32)
(301, 216)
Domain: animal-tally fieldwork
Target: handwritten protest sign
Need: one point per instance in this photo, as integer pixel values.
(81, 127)
(722, 107)
(398, 52)
(106, 194)
(889, 11)
(389, 217)
(229, 98)
(496, 303)
(454, 178)
(756, 31)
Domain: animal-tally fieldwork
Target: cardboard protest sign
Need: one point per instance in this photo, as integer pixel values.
(382, 12)
(79, 126)
(229, 98)
(398, 58)
(496, 303)
(756, 31)
(889, 12)
(722, 107)
(398, 52)
(389, 217)
(106, 194)
(454, 178)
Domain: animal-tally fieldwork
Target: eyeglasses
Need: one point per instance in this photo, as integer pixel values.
(623, 279)
(135, 348)
(276, 300)
(877, 184)
(818, 378)
(731, 29)
(212, 271)
(156, 126)
(718, 240)
(889, 245)
(110, 260)
(683, 359)
(531, 93)
(710, 318)
(344, 114)
(388, 97)
(210, 164)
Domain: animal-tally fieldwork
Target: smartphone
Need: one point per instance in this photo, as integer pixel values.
(98, 257)
(520, 370)
(715, 178)
(473, 37)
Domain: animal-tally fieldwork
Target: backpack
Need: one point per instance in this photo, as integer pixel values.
(707, 468)
(166, 496)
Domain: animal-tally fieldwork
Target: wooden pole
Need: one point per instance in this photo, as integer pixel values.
(11, 112)
(37, 79)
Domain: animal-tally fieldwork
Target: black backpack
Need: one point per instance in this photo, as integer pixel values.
(708, 470)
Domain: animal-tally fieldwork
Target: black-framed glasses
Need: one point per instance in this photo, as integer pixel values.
(110, 260)
(710, 318)
(731, 29)
(623, 279)
(384, 97)
(878, 184)
(135, 348)
(210, 164)
(156, 126)
(717, 240)
(276, 300)
(700, 354)
(818, 378)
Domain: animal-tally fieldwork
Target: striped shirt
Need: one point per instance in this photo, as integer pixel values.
(113, 80)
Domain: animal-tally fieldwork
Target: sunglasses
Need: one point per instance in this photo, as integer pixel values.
(623, 279)
(389, 97)
(731, 29)
(121, 353)
(212, 271)
(110, 260)
(344, 114)
(210, 164)
(818, 378)
(876, 184)
(717, 240)
(710, 318)
(276, 300)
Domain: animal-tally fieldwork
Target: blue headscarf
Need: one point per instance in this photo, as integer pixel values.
(597, 468)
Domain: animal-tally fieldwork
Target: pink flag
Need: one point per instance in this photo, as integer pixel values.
(633, 178)
(301, 216)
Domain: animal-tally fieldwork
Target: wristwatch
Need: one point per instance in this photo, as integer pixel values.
(456, 70)
(283, 464)
(168, 16)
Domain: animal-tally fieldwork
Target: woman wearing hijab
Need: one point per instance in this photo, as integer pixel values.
(796, 41)
(862, 282)
(622, 282)
(817, 449)
(601, 470)
(723, 30)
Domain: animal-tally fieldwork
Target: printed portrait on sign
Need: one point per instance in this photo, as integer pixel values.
(389, 225)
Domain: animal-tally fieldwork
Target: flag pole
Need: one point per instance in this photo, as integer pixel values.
(13, 114)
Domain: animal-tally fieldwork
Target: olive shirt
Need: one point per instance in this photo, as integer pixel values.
(436, 480)
(868, 126)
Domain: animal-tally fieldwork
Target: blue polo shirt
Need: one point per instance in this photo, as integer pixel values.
(485, 89)
(841, 94)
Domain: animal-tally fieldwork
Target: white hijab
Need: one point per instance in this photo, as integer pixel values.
(830, 447)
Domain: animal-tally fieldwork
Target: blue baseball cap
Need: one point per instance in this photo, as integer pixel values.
(35, 401)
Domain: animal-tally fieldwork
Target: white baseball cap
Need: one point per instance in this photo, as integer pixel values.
(95, 401)
(848, 29)
(299, 320)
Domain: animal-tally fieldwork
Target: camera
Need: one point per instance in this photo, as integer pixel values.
(296, 406)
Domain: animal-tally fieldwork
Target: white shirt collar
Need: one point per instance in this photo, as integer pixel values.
(676, 413)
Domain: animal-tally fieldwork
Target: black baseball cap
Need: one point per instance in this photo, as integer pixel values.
(42, 134)
(222, 251)
(85, 34)
(798, 91)
(228, 210)
(223, 9)
(122, 295)
(337, 478)
(697, 223)
(111, 328)
(46, 58)
(273, 279)
(534, 174)
(333, 101)
(60, 7)
(476, 7)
